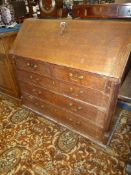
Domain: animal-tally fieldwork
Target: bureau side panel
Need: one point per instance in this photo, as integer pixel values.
(7, 80)
(110, 114)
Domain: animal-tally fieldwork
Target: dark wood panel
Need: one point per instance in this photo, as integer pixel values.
(4, 74)
(96, 115)
(8, 83)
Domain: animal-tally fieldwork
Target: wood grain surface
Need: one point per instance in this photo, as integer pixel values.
(101, 47)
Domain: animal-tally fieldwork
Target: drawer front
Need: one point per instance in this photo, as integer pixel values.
(85, 94)
(63, 73)
(32, 66)
(61, 116)
(80, 77)
(83, 109)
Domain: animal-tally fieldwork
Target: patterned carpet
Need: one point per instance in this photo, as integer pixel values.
(32, 145)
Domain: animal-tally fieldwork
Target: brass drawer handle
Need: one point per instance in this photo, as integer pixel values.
(31, 77)
(79, 108)
(35, 66)
(28, 64)
(70, 119)
(71, 89)
(70, 74)
(81, 77)
(70, 104)
(76, 108)
(31, 65)
(81, 92)
(75, 77)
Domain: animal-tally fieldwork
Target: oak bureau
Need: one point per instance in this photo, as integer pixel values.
(70, 71)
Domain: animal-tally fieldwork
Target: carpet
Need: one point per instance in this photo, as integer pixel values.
(33, 145)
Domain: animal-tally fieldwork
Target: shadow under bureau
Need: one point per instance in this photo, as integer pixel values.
(70, 71)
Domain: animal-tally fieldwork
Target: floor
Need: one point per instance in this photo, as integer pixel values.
(33, 145)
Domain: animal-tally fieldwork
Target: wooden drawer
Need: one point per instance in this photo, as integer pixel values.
(63, 116)
(85, 94)
(63, 73)
(90, 112)
(81, 78)
(32, 66)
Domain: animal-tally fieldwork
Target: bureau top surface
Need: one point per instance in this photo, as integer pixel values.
(97, 46)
